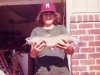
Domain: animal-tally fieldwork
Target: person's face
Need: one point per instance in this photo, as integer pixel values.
(48, 18)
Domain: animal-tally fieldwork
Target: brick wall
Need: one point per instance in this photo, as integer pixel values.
(86, 60)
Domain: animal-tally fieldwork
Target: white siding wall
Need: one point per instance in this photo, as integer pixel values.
(85, 6)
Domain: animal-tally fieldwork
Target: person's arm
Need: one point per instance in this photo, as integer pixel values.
(71, 47)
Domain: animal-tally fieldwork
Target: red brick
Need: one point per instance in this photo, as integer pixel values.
(87, 62)
(79, 56)
(94, 55)
(98, 61)
(97, 73)
(92, 73)
(96, 18)
(87, 73)
(90, 18)
(87, 50)
(95, 67)
(85, 18)
(97, 25)
(84, 73)
(75, 62)
(97, 49)
(94, 31)
(78, 32)
(79, 18)
(75, 73)
(97, 37)
(94, 43)
(73, 19)
(86, 25)
(73, 26)
(87, 38)
(79, 68)
(84, 44)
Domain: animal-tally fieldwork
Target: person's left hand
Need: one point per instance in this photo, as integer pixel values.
(63, 44)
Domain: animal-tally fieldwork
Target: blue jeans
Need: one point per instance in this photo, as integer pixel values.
(54, 70)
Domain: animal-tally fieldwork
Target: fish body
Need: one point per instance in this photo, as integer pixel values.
(51, 41)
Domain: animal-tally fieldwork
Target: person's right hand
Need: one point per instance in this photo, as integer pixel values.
(38, 46)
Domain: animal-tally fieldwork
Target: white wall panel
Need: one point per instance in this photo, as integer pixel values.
(79, 5)
(92, 6)
(85, 6)
(99, 5)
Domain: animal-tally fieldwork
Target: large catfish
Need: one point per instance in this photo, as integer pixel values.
(51, 41)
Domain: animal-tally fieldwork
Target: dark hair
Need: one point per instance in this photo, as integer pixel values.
(57, 19)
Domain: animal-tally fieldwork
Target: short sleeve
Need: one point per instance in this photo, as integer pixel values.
(33, 33)
(64, 30)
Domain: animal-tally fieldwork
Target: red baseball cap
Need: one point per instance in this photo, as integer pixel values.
(48, 7)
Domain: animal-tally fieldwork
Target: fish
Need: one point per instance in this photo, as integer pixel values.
(52, 41)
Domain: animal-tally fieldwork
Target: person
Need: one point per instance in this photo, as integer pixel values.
(47, 61)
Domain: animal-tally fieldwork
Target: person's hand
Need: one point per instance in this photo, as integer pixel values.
(63, 44)
(38, 46)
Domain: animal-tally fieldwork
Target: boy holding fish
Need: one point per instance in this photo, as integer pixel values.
(50, 60)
